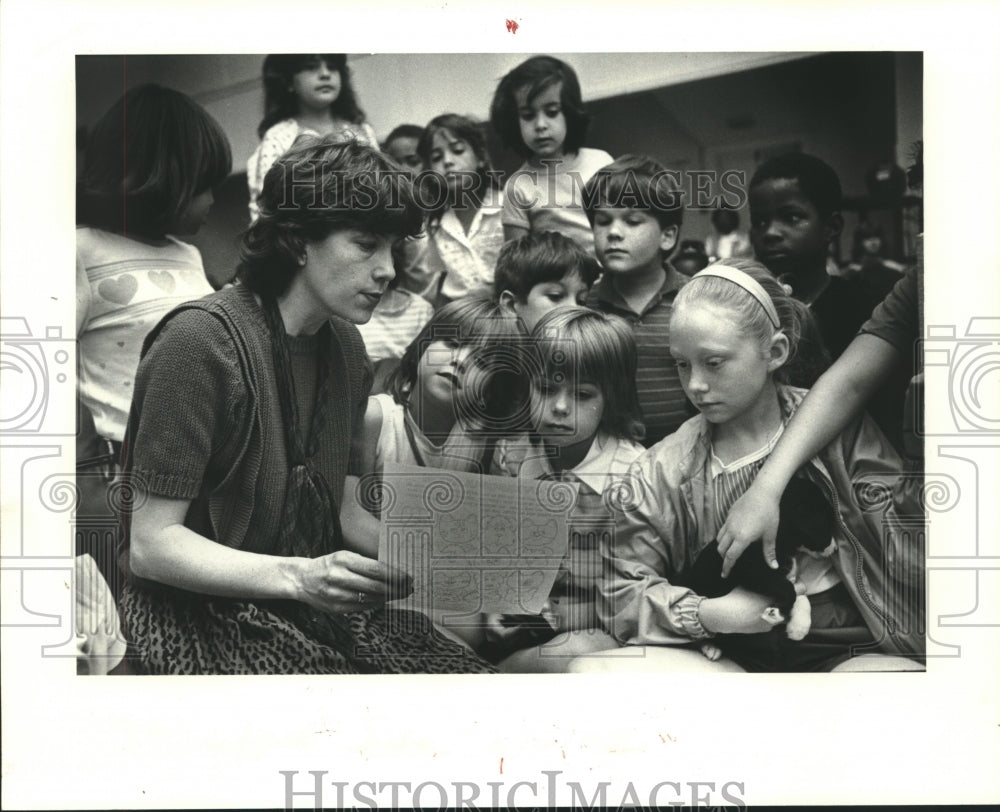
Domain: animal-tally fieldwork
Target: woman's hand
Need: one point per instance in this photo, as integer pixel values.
(753, 517)
(739, 612)
(345, 581)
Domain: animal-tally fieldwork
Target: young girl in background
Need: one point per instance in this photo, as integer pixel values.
(538, 112)
(149, 169)
(399, 317)
(303, 93)
(464, 228)
(732, 331)
(586, 427)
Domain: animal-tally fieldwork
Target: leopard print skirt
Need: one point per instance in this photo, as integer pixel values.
(176, 632)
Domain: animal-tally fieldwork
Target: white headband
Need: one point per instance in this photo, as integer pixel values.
(749, 284)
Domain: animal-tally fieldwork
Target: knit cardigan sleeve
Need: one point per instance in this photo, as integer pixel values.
(189, 405)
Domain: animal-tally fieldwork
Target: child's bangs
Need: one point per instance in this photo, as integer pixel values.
(540, 84)
(462, 325)
(575, 356)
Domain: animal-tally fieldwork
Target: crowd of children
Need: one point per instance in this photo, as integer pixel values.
(536, 328)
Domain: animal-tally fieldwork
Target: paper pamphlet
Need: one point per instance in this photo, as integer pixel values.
(474, 543)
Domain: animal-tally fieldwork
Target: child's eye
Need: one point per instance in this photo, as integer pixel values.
(435, 155)
(683, 366)
(585, 394)
(714, 363)
(553, 110)
(526, 115)
(458, 149)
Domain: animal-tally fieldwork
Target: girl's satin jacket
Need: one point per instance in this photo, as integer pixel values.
(667, 515)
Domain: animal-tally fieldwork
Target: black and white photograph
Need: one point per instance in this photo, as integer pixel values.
(515, 425)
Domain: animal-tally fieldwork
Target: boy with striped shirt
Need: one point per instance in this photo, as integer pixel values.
(635, 211)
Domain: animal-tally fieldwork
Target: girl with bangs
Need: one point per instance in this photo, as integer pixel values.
(537, 111)
(586, 425)
(238, 449)
(464, 204)
(304, 94)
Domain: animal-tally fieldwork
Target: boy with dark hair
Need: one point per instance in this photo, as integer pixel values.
(635, 210)
(539, 272)
(795, 203)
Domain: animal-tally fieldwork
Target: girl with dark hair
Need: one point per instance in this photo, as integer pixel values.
(464, 205)
(238, 451)
(150, 166)
(304, 94)
(538, 112)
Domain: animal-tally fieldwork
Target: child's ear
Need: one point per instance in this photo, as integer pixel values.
(779, 351)
(834, 225)
(507, 300)
(668, 238)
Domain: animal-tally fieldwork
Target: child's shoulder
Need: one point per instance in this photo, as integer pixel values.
(285, 128)
(677, 455)
(589, 160)
(628, 450)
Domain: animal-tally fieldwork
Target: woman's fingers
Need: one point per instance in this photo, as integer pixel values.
(373, 572)
(347, 581)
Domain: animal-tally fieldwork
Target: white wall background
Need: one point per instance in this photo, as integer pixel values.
(392, 88)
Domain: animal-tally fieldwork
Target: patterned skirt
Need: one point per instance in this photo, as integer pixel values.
(175, 632)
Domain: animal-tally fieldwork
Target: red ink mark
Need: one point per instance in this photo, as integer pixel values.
(512, 26)
(563, 753)
(501, 766)
(661, 738)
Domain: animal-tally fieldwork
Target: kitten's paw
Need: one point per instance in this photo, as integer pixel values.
(711, 651)
(801, 620)
(773, 615)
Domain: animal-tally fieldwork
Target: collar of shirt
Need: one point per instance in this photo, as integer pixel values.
(605, 292)
(601, 463)
(492, 207)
